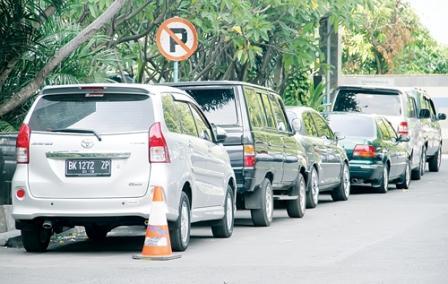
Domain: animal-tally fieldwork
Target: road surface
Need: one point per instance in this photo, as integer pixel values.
(398, 237)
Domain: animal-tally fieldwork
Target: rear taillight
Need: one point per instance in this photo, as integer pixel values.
(249, 156)
(403, 128)
(23, 145)
(158, 149)
(20, 194)
(364, 151)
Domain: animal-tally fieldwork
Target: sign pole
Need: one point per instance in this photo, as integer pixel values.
(176, 72)
(177, 40)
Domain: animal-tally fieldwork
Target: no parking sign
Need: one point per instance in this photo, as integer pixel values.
(177, 39)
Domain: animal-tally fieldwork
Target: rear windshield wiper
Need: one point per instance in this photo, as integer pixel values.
(76, 130)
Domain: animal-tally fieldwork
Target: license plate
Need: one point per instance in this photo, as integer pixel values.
(87, 168)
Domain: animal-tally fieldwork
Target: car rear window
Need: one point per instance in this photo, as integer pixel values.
(368, 102)
(352, 126)
(109, 113)
(218, 105)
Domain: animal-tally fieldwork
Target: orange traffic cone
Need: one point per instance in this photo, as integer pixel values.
(157, 244)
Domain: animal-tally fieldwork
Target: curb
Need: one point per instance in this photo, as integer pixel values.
(11, 239)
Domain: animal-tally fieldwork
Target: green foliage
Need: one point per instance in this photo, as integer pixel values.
(6, 127)
(388, 38)
(269, 42)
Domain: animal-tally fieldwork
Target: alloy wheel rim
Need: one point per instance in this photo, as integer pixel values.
(423, 163)
(439, 162)
(184, 220)
(385, 179)
(302, 194)
(408, 175)
(229, 212)
(346, 181)
(269, 205)
(315, 186)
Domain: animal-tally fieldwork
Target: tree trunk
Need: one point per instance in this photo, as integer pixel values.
(87, 33)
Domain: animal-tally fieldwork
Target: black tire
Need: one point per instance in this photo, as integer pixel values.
(416, 174)
(224, 227)
(434, 162)
(36, 239)
(312, 195)
(405, 178)
(96, 233)
(342, 192)
(296, 208)
(384, 181)
(263, 217)
(179, 239)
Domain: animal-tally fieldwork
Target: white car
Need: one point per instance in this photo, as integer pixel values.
(89, 155)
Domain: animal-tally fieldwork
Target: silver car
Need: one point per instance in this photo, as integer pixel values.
(90, 156)
(397, 105)
(432, 133)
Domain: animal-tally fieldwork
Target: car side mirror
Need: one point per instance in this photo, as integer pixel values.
(403, 139)
(339, 136)
(296, 125)
(424, 113)
(441, 116)
(220, 134)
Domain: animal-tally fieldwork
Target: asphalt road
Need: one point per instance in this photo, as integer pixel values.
(398, 237)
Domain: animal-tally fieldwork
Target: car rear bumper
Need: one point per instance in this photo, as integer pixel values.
(363, 172)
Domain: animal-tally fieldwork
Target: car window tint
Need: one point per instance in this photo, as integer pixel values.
(218, 105)
(368, 102)
(268, 111)
(280, 118)
(322, 126)
(382, 127)
(187, 120)
(411, 107)
(255, 108)
(391, 130)
(98, 113)
(352, 126)
(170, 114)
(432, 109)
(203, 129)
(308, 125)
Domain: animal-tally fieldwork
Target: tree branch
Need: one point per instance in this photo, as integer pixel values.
(87, 33)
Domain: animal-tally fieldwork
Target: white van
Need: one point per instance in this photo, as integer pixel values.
(89, 155)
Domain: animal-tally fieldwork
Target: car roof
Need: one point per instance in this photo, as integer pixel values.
(374, 88)
(118, 88)
(215, 83)
(300, 109)
(355, 114)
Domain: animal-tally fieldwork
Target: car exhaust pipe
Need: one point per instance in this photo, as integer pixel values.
(47, 225)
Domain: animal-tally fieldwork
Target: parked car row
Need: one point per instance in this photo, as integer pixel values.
(89, 155)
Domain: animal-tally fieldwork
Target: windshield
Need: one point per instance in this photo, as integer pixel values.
(352, 125)
(368, 102)
(218, 105)
(109, 113)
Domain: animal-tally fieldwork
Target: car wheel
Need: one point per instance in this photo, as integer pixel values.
(312, 196)
(342, 192)
(434, 162)
(96, 233)
(36, 238)
(405, 179)
(296, 208)
(180, 230)
(384, 182)
(263, 216)
(417, 174)
(224, 228)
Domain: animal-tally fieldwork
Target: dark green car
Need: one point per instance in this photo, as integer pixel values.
(377, 155)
